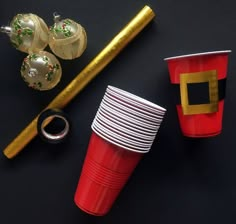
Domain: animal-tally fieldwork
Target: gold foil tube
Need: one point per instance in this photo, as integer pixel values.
(85, 76)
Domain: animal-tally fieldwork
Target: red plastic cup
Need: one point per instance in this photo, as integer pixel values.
(94, 198)
(111, 156)
(104, 176)
(199, 124)
(105, 171)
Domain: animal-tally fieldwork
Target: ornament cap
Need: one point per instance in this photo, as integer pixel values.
(6, 29)
(56, 17)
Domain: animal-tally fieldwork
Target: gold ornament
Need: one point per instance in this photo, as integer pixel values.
(67, 39)
(41, 71)
(28, 32)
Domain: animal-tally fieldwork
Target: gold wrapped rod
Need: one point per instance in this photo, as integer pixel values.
(85, 76)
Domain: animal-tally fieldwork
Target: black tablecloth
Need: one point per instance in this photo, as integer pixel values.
(181, 180)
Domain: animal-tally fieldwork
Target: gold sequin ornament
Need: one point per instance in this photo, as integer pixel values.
(41, 70)
(67, 39)
(28, 32)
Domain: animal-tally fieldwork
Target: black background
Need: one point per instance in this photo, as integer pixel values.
(181, 180)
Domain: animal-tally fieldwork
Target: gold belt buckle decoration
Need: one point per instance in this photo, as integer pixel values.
(199, 77)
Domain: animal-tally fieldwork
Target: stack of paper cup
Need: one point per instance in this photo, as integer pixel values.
(124, 128)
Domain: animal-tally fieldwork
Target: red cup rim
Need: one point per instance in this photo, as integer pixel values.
(198, 54)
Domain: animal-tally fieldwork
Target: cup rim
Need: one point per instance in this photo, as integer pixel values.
(157, 120)
(135, 98)
(117, 142)
(124, 135)
(128, 121)
(134, 107)
(134, 103)
(197, 54)
(120, 138)
(128, 114)
(139, 113)
(145, 136)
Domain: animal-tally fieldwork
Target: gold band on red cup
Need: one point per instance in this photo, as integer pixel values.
(199, 92)
(209, 77)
